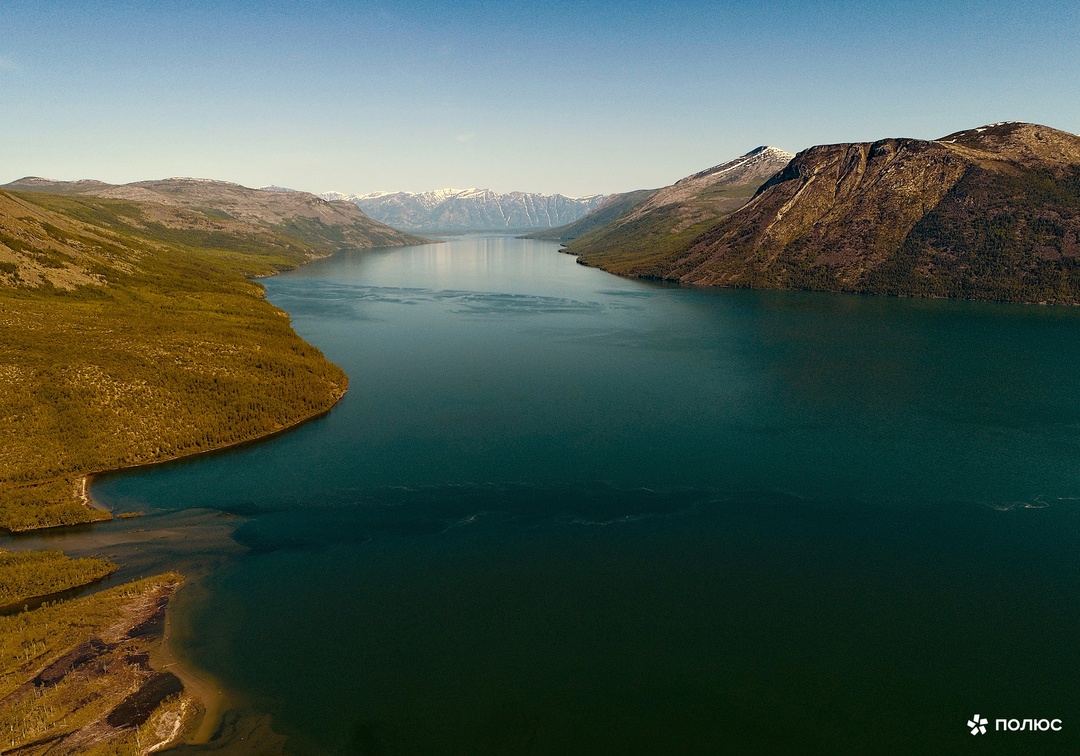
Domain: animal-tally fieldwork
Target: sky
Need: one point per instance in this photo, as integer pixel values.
(559, 97)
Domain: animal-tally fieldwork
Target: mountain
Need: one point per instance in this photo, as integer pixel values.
(281, 218)
(470, 209)
(614, 207)
(987, 213)
(632, 230)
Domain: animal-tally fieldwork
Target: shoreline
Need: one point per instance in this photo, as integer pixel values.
(81, 482)
(85, 480)
(93, 676)
(88, 478)
(213, 700)
(694, 286)
(204, 701)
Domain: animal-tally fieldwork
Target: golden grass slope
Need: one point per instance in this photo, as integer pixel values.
(132, 335)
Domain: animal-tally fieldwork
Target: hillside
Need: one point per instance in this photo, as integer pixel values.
(456, 210)
(219, 206)
(132, 334)
(644, 232)
(987, 213)
(614, 207)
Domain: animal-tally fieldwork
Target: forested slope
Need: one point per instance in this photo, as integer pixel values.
(132, 334)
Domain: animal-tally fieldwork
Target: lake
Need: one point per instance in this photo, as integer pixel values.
(564, 512)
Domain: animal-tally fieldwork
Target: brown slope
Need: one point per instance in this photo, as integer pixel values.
(642, 238)
(41, 247)
(324, 224)
(988, 213)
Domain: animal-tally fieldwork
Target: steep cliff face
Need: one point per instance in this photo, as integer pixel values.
(987, 213)
(845, 207)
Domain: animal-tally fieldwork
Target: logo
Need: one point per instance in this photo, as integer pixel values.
(977, 725)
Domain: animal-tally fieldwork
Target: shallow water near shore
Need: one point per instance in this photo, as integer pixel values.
(563, 512)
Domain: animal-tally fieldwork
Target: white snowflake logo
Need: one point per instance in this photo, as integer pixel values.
(977, 725)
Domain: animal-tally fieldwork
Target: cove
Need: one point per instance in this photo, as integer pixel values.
(564, 512)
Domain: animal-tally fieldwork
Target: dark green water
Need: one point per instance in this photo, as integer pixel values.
(563, 512)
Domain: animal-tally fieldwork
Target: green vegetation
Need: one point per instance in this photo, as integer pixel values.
(148, 344)
(28, 575)
(1000, 236)
(67, 668)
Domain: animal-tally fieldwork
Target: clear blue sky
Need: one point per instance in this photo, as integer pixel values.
(571, 97)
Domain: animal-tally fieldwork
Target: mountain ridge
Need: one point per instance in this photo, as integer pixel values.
(637, 227)
(134, 334)
(991, 212)
(232, 208)
(470, 209)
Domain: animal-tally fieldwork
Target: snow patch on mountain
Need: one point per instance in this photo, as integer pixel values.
(470, 209)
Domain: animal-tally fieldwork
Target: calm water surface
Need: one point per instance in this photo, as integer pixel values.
(563, 512)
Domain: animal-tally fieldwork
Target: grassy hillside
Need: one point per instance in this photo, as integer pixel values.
(642, 242)
(297, 221)
(133, 335)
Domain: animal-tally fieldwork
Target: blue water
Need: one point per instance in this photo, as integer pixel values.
(563, 512)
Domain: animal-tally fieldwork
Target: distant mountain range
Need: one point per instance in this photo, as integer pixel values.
(987, 213)
(454, 210)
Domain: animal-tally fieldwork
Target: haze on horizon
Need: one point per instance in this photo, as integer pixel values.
(572, 98)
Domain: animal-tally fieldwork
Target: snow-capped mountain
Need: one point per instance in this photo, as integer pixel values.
(470, 209)
(752, 168)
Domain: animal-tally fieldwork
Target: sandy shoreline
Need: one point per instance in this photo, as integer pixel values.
(198, 684)
(211, 697)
